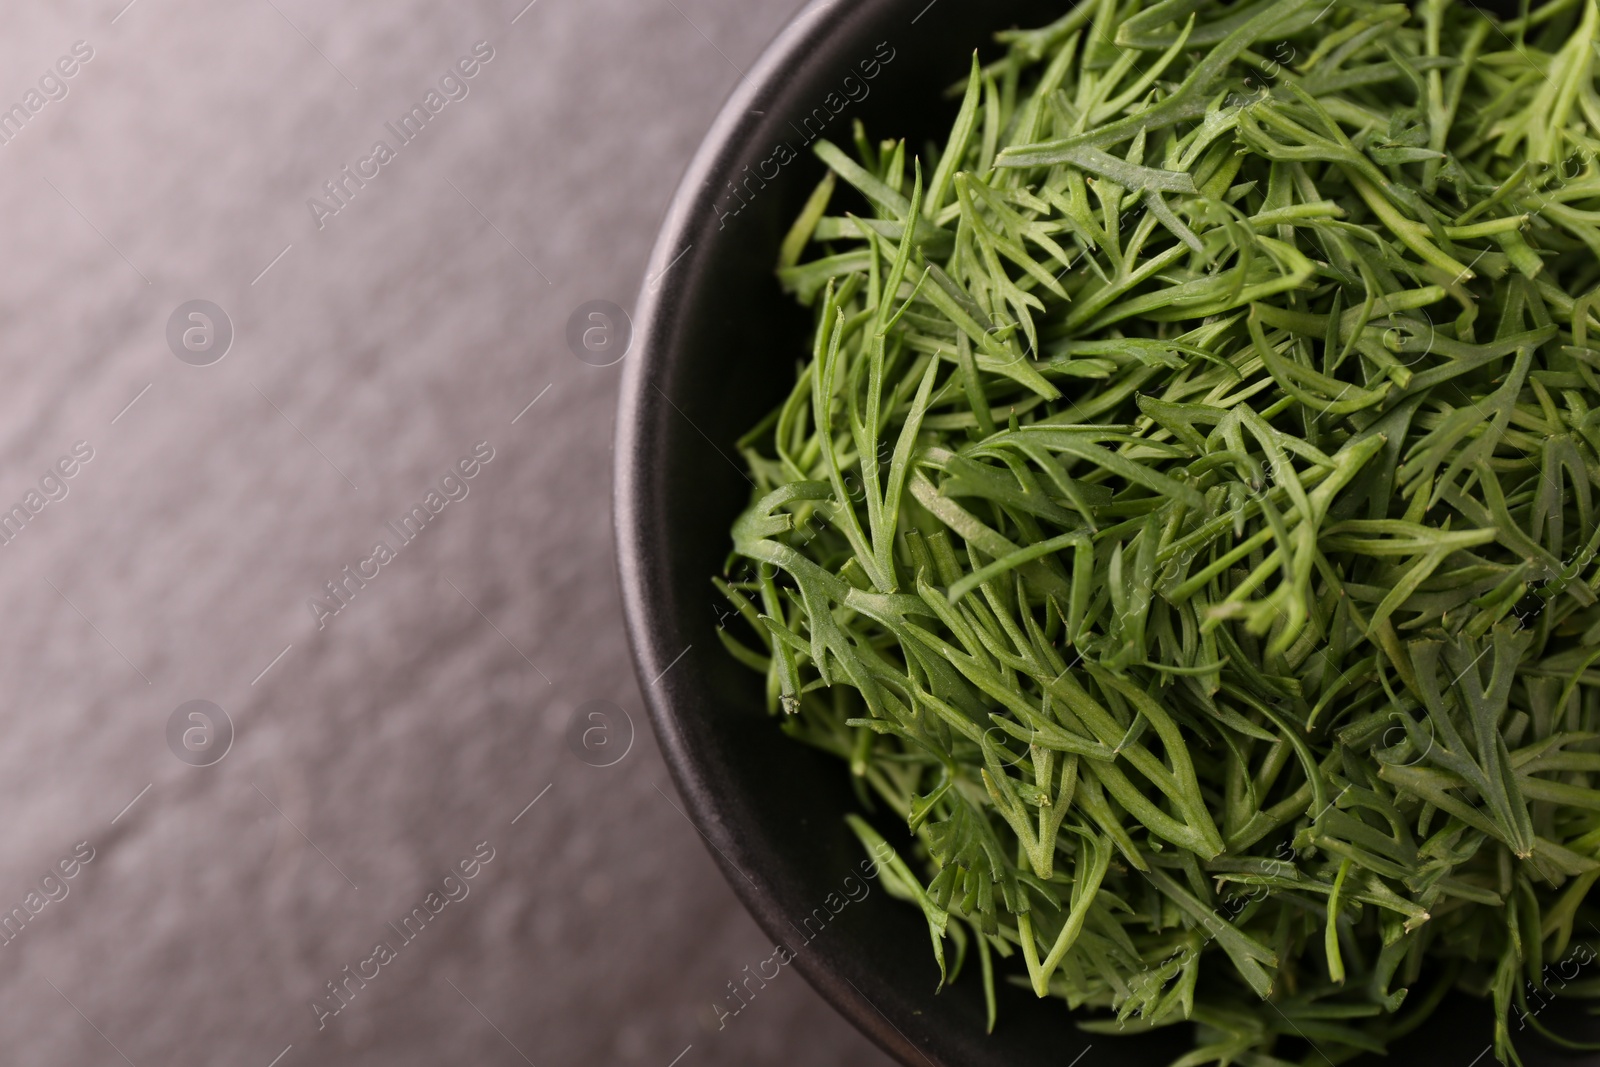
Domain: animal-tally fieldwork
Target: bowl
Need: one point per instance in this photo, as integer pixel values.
(716, 347)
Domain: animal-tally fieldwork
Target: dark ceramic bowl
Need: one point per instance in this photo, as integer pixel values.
(716, 345)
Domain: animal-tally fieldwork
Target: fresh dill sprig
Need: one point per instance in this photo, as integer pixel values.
(1186, 522)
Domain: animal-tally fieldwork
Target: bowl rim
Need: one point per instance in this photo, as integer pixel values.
(656, 316)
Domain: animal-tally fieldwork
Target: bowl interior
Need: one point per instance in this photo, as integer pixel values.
(717, 345)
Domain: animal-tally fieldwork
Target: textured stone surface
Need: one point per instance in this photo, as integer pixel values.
(382, 749)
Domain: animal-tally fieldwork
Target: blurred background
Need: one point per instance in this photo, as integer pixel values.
(272, 794)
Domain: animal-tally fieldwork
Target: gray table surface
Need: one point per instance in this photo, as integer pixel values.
(372, 349)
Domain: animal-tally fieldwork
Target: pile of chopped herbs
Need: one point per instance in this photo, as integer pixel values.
(1187, 523)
